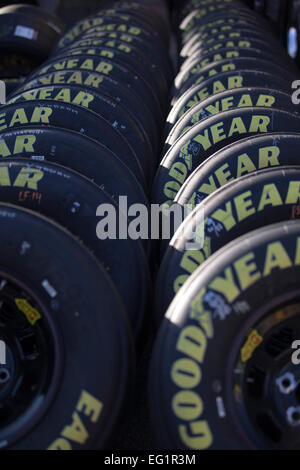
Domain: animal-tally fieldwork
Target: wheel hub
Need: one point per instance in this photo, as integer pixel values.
(266, 384)
(26, 377)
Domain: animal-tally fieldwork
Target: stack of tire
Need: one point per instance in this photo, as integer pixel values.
(81, 132)
(227, 292)
(28, 35)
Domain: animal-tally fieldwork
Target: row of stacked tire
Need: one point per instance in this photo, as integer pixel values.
(227, 291)
(81, 131)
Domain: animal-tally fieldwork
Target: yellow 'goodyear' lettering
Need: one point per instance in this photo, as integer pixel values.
(221, 21)
(93, 48)
(39, 115)
(186, 374)
(119, 28)
(101, 53)
(90, 64)
(186, 371)
(225, 104)
(190, 261)
(267, 157)
(211, 135)
(27, 177)
(76, 432)
(212, 72)
(217, 56)
(113, 35)
(78, 29)
(31, 313)
(95, 43)
(22, 143)
(67, 78)
(218, 86)
(244, 271)
(228, 44)
(225, 55)
(230, 214)
(221, 29)
(221, 37)
(81, 98)
(120, 47)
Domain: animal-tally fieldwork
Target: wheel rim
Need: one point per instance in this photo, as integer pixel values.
(29, 376)
(263, 383)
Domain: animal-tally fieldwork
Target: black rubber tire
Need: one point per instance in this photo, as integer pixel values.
(256, 63)
(44, 16)
(239, 159)
(225, 81)
(189, 77)
(204, 328)
(117, 44)
(235, 19)
(199, 14)
(27, 35)
(195, 24)
(90, 333)
(238, 98)
(135, 60)
(77, 152)
(224, 33)
(111, 68)
(261, 45)
(72, 201)
(189, 6)
(76, 118)
(254, 201)
(162, 61)
(187, 35)
(123, 22)
(116, 24)
(143, 13)
(108, 109)
(208, 137)
(112, 89)
(221, 20)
